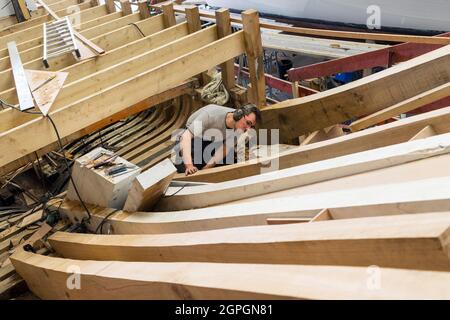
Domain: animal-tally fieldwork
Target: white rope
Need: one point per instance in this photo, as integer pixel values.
(215, 91)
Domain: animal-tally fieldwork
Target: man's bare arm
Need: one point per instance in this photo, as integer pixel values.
(185, 145)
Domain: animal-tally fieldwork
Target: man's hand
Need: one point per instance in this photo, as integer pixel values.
(190, 169)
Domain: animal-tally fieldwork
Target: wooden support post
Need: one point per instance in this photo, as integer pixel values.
(223, 23)
(404, 106)
(126, 7)
(169, 15)
(110, 6)
(273, 221)
(254, 50)
(193, 19)
(143, 9)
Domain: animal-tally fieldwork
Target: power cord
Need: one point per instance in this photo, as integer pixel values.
(137, 27)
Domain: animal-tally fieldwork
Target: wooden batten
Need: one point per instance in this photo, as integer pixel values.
(149, 186)
(402, 241)
(48, 278)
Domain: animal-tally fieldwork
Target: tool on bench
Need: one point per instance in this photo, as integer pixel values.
(118, 170)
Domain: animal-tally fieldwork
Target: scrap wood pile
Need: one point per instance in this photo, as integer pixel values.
(346, 216)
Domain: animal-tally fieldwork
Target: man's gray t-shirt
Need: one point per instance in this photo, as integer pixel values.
(208, 123)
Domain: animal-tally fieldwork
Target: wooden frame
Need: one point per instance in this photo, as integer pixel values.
(307, 114)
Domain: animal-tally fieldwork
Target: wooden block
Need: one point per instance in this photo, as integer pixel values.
(426, 132)
(48, 277)
(20, 79)
(323, 215)
(96, 187)
(417, 241)
(149, 186)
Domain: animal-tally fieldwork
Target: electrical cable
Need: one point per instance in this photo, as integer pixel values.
(137, 27)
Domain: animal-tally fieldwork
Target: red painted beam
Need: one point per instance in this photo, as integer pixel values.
(383, 57)
(280, 84)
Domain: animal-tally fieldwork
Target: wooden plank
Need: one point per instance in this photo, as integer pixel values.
(110, 6)
(426, 132)
(208, 195)
(80, 37)
(404, 241)
(307, 114)
(149, 186)
(169, 15)
(254, 50)
(47, 278)
(409, 197)
(184, 88)
(275, 221)
(410, 104)
(224, 29)
(392, 133)
(171, 73)
(20, 79)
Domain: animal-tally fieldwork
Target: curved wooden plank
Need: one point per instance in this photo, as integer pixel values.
(417, 241)
(48, 277)
(421, 196)
(307, 114)
(213, 194)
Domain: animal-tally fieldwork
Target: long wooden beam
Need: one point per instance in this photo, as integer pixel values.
(223, 192)
(337, 34)
(89, 110)
(388, 134)
(47, 277)
(28, 34)
(402, 241)
(370, 94)
(430, 195)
